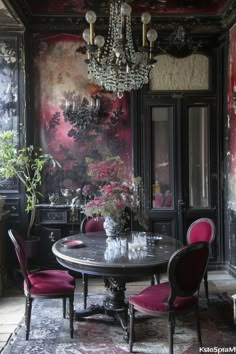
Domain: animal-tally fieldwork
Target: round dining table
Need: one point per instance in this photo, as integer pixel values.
(117, 260)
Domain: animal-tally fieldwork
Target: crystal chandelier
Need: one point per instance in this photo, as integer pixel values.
(116, 65)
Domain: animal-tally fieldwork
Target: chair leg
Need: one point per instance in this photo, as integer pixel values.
(131, 327)
(28, 308)
(64, 306)
(155, 279)
(198, 327)
(85, 288)
(71, 305)
(206, 287)
(171, 325)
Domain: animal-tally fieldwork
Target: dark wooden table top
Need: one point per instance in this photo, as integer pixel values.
(96, 257)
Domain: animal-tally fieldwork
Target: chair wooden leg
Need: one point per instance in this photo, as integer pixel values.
(131, 327)
(171, 325)
(85, 289)
(28, 316)
(198, 327)
(155, 279)
(71, 305)
(64, 307)
(206, 287)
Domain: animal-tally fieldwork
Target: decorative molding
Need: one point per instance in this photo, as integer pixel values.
(15, 12)
(210, 22)
(228, 17)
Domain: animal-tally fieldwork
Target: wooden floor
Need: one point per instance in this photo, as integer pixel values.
(12, 303)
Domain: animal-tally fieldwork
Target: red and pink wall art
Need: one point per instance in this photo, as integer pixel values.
(60, 71)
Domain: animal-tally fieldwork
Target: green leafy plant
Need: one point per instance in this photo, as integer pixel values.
(26, 164)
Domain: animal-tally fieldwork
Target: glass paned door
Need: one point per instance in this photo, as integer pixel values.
(162, 152)
(179, 162)
(198, 153)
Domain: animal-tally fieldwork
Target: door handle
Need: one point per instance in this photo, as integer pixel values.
(181, 205)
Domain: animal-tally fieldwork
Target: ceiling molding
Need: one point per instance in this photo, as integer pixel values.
(228, 17)
(18, 25)
(73, 22)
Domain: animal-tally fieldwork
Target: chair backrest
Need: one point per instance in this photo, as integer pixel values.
(186, 269)
(20, 253)
(92, 224)
(201, 230)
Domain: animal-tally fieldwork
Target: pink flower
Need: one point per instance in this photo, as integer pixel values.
(116, 194)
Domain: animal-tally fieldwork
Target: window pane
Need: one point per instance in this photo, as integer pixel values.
(162, 118)
(198, 119)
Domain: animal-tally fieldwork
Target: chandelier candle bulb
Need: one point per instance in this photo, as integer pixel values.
(91, 19)
(151, 36)
(145, 18)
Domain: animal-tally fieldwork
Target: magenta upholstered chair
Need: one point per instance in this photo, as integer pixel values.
(202, 230)
(43, 284)
(89, 225)
(185, 271)
(92, 224)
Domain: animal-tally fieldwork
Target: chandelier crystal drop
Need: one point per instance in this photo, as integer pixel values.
(114, 63)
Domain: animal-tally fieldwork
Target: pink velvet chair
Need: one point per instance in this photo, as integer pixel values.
(185, 271)
(202, 229)
(92, 224)
(43, 284)
(89, 225)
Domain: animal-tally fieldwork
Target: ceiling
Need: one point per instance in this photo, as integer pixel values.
(55, 7)
(58, 15)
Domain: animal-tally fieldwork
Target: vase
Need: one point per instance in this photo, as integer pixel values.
(111, 226)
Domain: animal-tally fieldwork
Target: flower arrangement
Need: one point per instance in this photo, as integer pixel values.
(114, 195)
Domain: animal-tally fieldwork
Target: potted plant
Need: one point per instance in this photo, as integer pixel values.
(26, 164)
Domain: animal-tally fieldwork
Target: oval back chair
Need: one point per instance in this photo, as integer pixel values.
(186, 269)
(92, 224)
(43, 284)
(202, 229)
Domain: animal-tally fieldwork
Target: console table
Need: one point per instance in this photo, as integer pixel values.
(53, 222)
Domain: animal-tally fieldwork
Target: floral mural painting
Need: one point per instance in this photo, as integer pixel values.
(232, 120)
(60, 73)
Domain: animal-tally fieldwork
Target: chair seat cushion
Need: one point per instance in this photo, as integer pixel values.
(155, 299)
(50, 283)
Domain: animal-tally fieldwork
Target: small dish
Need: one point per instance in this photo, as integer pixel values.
(72, 244)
